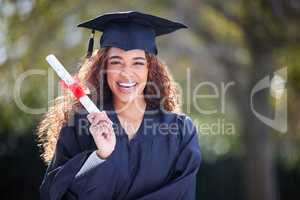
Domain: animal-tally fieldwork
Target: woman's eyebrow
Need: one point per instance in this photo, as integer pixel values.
(115, 57)
(139, 58)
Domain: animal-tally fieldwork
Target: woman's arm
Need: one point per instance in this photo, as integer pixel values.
(182, 185)
(69, 163)
(92, 161)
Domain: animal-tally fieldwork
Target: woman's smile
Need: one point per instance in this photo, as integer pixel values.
(126, 86)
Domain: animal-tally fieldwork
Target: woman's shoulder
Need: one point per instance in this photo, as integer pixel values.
(77, 128)
(76, 119)
(182, 121)
(177, 117)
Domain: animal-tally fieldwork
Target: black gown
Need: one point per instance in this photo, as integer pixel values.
(159, 163)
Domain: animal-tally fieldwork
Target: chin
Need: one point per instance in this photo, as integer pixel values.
(126, 95)
(125, 98)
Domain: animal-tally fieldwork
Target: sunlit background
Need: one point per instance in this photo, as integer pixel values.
(229, 48)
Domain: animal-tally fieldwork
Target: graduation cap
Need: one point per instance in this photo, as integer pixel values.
(129, 30)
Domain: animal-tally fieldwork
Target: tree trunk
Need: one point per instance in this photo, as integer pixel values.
(259, 172)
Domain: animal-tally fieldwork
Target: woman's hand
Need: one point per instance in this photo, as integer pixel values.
(103, 133)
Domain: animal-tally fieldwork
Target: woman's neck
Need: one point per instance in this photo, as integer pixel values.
(130, 110)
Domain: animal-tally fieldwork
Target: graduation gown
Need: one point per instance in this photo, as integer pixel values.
(160, 162)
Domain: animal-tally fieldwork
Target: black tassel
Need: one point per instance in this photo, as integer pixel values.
(91, 44)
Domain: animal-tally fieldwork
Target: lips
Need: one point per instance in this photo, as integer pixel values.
(130, 84)
(126, 87)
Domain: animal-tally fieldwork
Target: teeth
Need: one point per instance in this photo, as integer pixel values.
(129, 84)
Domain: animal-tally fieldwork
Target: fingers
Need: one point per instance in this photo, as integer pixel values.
(92, 116)
(102, 130)
(96, 117)
(101, 127)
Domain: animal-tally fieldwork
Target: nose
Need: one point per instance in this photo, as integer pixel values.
(125, 73)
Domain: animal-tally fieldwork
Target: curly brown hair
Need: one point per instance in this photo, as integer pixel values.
(162, 87)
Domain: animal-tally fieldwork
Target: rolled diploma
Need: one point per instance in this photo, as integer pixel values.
(87, 103)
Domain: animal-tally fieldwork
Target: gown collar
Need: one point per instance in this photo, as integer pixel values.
(145, 130)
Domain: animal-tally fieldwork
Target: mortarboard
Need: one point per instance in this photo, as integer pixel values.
(129, 30)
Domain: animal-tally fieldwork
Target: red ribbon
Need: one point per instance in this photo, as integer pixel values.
(75, 88)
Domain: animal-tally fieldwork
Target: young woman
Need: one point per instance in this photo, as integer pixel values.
(140, 146)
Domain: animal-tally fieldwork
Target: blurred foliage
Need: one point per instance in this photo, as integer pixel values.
(222, 45)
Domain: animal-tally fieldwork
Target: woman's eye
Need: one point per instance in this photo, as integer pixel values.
(139, 63)
(115, 63)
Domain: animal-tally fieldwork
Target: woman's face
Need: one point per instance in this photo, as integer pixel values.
(127, 73)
